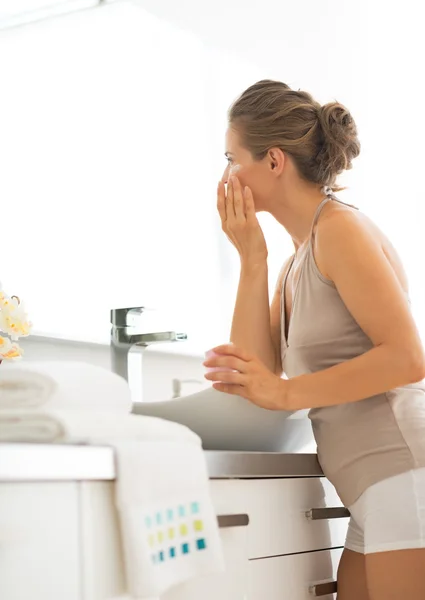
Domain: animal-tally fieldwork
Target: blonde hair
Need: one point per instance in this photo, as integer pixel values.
(322, 140)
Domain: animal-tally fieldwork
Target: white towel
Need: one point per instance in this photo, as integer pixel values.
(87, 427)
(169, 528)
(168, 524)
(62, 384)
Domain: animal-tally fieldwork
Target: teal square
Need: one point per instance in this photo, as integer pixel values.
(182, 511)
(153, 558)
(170, 514)
(201, 544)
(158, 518)
(172, 552)
(194, 508)
(185, 548)
(161, 556)
(148, 522)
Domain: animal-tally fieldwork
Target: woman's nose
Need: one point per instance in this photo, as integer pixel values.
(225, 176)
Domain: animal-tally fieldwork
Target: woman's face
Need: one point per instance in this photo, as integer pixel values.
(253, 173)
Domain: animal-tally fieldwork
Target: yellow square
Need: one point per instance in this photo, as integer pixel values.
(171, 533)
(151, 540)
(160, 536)
(183, 529)
(198, 525)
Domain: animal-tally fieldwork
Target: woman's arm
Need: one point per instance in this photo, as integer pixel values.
(254, 322)
(352, 257)
(276, 318)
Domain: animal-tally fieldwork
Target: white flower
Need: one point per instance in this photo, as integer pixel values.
(13, 317)
(15, 352)
(9, 350)
(5, 345)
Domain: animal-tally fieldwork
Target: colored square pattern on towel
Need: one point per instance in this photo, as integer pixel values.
(198, 525)
(185, 548)
(167, 530)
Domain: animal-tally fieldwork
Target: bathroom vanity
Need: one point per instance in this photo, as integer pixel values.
(281, 522)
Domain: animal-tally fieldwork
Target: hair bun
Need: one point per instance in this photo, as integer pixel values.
(340, 141)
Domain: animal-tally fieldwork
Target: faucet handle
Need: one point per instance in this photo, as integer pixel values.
(127, 317)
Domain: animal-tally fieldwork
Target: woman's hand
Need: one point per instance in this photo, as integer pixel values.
(248, 378)
(240, 223)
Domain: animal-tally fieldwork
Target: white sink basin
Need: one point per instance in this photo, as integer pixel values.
(227, 422)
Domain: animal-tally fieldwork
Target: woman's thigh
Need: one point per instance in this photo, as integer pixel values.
(395, 575)
(352, 577)
(391, 517)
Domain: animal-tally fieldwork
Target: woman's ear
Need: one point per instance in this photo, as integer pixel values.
(276, 159)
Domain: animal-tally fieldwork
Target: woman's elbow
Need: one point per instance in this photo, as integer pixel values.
(416, 365)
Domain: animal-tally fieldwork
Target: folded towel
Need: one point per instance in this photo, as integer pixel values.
(29, 426)
(24, 388)
(62, 384)
(87, 427)
(168, 524)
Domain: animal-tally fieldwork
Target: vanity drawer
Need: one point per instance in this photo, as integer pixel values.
(39, 541)
(285, 515)
(294, 577)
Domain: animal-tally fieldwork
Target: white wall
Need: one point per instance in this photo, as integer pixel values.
(159, 368)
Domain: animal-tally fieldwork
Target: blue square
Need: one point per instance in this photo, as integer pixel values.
(182, 511)
(148, 522)
(161, 556)
(194, 507)
(201, 544)
(185, 548)
(170, 514)
(172, 552)
(158, 518)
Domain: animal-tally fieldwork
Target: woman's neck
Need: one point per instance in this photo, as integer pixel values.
(295, 212)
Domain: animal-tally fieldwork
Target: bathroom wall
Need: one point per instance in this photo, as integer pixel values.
(159, 367)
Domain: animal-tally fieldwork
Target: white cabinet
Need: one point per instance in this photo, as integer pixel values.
(294, 577)
(230, 585)
(40, 549)
(102, 565)
(281, 549)
(102, 576)
(61, 541)
(279, 510)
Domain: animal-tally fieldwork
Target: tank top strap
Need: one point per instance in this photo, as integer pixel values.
(328, 196)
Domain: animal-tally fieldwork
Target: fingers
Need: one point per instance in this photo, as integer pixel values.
(232, 377)
(226, 362)
(229, 388)
(249, 204)
(232, 350)
(238, 203)
(238, 200)
(221, 201)
(230, 209)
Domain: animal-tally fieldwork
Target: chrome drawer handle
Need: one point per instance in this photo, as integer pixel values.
(241, 520)
(323, 589)
(317, 514)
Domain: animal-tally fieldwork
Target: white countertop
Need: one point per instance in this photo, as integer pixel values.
(65, 462)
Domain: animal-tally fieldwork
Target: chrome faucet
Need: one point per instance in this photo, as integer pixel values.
(127, 332)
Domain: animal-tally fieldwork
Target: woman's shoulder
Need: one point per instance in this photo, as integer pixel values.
(344, 228)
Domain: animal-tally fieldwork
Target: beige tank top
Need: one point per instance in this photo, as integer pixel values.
(358, 443)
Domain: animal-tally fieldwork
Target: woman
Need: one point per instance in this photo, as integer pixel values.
(339, 327)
